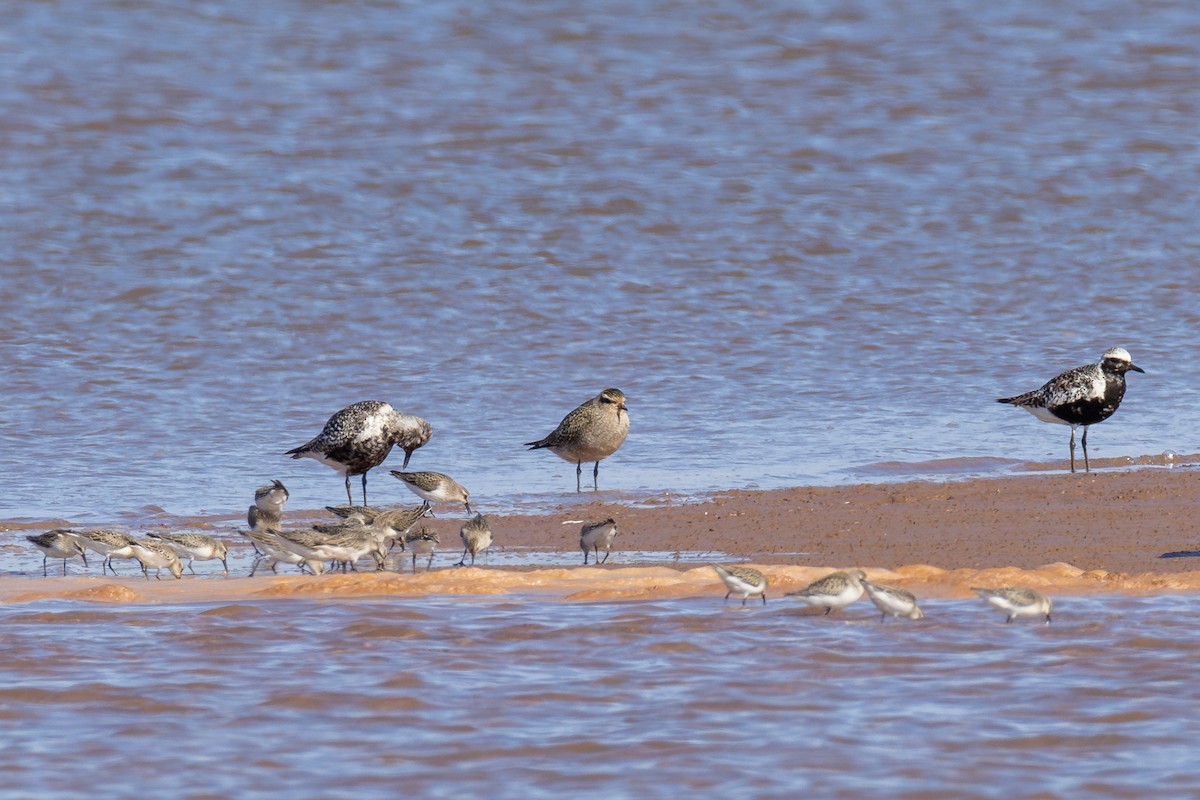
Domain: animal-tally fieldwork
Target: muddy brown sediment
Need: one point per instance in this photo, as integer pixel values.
(1082, 533)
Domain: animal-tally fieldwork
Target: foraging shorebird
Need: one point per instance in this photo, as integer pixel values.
(1081, 396)
(591, 432)
(108, 543)
(747, 582)
(360, 436)
(476, 536)
(434, 487)
(158, 554)
(422, 542)
(1016, 601)
(60, 543)
(195, 547)
(893, 601)
(835, 590)
(270, 551)
(594, 536)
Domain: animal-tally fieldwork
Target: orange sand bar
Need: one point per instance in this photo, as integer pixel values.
(1069, 534)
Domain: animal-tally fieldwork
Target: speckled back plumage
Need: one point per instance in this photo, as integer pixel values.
(1080, 396)
(593, 431)
(360, 436)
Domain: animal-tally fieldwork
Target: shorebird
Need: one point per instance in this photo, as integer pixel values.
(158, 554)
(59, 543)
(434, 487)
(835, 590)
(596, 535)
(360, 436)
(893, 601)
(476, 537)
(422, 542)
(591, 432)
(195, 547)
(748, 582)
(108, 543)
(267, 510)
(1081, 396)
(1016, 601)
(271, 551)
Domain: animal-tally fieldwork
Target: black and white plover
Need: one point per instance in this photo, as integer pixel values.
(591, 432)
(892, 601)
(744, 581)
(835, 590)
(434, 487)
(360, 436)
(1081, 396)
(476, 536)
(597, 536)
(1017, 601)
(59, 543)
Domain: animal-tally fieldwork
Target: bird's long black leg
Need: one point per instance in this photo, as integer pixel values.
(44, 557)
(596, 477)
(1072, 448)
(349, 497)
(764, 597)
(1086, 467)
(364, 479)
(578, 476)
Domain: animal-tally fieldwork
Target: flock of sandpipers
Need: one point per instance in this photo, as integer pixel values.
(360, 437)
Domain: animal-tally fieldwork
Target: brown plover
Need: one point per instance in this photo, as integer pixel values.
(835, 590)
(743, 580)
(1017, 601)
(360, 436)
(1081, 396)
(591, 432)
(597, 536)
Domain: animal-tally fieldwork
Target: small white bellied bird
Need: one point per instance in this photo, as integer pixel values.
(360, 436)
(1017, 601)
(743, 580)
(892, 601)
(1081, 396)
(592, 432)
(597, 536)
(835, 590)
(195, 547)
(60, 543)
(476, 536)
(434, 487)
(422, 542)
(267, 510)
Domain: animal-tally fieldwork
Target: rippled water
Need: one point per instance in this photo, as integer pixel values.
(517, 698)
(804, 238)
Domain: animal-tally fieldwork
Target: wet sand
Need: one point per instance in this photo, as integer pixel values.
(1102, 532)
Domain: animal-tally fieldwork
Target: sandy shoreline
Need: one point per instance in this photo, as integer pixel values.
(1102, 532)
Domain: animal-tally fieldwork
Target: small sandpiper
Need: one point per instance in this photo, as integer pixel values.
(1017, 601)
(892, 601)
(60, 543)
(595, 536)
(476, 536)
(360, 436)
(744, 581)
(271, 551)
(195, 547)
(267, 511)
(158, 554)
(835, 590)
(592, 432)
(1081, 396)
(422, 542)
(108, 543)
(434, 487)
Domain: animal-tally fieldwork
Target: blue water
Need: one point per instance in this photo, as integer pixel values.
(804, 239)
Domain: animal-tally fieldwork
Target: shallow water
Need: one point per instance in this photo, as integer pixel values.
(807, 239)
(532, 698)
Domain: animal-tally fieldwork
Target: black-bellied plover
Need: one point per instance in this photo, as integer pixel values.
(835, 590)
(422, 542)
(434, 487)
(360, 436)
(744, 581)
(158, 554)
(195, 547)
(1017, 601)
(597, 536)
(892, 601)
(60, 543)
(591, 432)
(476, 536)
(1081, 396)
